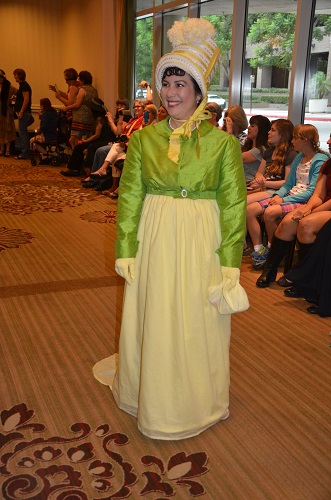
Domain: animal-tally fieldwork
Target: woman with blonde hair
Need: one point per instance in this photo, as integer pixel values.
(235, 122)
(296, 190)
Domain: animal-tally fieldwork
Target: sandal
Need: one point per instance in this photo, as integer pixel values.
(111, 194)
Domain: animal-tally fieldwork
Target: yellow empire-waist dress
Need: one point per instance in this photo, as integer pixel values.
(180, 222)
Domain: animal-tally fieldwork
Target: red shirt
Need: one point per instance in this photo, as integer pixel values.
(326, 170)
(132, 125)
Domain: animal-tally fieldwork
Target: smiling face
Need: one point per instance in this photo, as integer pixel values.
(179, 96)
(138, 109)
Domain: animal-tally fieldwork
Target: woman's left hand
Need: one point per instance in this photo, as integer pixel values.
(276, 200)
(125, 268)
(229, 297)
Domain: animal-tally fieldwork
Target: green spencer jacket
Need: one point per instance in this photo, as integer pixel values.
(218, 174)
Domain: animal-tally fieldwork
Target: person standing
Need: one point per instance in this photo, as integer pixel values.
(180, 233)
(23, 111)
(82, 117)
(7, 123)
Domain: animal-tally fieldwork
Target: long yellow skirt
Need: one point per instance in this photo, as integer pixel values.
(173, 361)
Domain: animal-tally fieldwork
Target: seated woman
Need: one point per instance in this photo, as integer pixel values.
(235, 122)
(162, 113)
(102, 135)
(150, 113)
(128, 129)
(270, 176)
(122, 104)
(47, 131)
(311, 277)
(299, 185)
(304, 223)
(216, 113)
(255, 145)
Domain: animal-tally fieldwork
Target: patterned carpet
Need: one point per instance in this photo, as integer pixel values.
(49, 463)
(62, 437)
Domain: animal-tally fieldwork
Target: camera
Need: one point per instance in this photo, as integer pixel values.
(146, 116)
(124, 112)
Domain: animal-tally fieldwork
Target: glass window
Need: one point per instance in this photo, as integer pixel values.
(168, 20)
(144, 54)
(144, 4)
(268, 58)
(318, 109)
(220, 15)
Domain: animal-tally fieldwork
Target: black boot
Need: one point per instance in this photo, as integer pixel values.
(303, 250)
(278, 249)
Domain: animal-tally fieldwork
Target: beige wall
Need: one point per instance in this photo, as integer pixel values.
(46, 36)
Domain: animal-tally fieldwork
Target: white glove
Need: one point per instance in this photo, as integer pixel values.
(125, 268)
(229, 297)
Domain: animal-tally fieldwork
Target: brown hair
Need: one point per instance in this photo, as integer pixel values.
(46, 103)
(285, 130)
(308, 132)
(85, 77)
(151, 108)
(263, 123)
(20, 73)
(70, 74)
(239, 118)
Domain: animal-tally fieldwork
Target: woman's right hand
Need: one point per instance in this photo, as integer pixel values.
(51, 87)
(300, 214)
(229, 124)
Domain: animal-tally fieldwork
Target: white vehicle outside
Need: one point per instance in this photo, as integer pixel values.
(218, 99)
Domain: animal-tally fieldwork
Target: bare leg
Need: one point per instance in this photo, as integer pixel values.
(253, 197)
(310, 226)
(287, 228)
(271, 216)
(253, 226)
(102, 170)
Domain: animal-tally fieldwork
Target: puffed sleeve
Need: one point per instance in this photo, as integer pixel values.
(132, 192)
(232, 199)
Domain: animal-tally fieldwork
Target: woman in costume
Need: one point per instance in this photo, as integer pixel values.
(180, 234)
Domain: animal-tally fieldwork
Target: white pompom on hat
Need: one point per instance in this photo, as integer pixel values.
(194, 51)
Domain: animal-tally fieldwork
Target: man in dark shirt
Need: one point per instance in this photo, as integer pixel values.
(23, 110)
